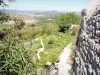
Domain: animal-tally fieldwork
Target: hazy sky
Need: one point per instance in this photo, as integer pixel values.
(60, 5)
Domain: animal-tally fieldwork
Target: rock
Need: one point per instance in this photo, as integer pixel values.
(98, 33)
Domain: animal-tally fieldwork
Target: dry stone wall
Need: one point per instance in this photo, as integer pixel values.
(87, 60)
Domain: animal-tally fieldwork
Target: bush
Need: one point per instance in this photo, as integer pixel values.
(14, 59)
(2, 35)
(51, 42)
(19, 23)
(64, 28)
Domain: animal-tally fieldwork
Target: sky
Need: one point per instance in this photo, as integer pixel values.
(58, 5)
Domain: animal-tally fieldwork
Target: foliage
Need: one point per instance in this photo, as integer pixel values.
(19, 23)
(51, 41)
(53, 45)
(14, 56)
(4, 17)
(3, 26)
(14, 59)
(17, 58)
(2, 2)
(64, 21)
(64, 28)
(2, 35)
(39, 29)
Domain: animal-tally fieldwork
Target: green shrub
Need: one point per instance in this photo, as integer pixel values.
(39, 31)
(15, 59)
(64, 28)
(19, 23)
(51, 42)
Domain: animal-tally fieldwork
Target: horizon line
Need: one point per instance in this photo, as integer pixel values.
(38, 10)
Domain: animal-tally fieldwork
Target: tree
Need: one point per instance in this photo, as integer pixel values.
(64, 21)
(3, 2)
(19, 23)
(4, 17)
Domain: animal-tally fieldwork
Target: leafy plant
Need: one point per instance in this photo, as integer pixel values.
(65, 21)
(64, 28)
(19, 23)
(15, 59)
(51, 42)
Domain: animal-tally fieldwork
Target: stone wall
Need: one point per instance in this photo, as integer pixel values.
(87, 60)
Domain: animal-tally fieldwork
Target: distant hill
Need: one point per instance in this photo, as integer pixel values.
(42, 12)
(30, 11)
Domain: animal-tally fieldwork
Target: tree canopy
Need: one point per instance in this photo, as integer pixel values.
(3, 2)
(64, 21)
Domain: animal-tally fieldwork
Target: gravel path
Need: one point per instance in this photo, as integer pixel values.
(63, 66)
(40, 50)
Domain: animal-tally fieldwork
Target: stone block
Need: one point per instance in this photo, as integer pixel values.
(98, 33)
